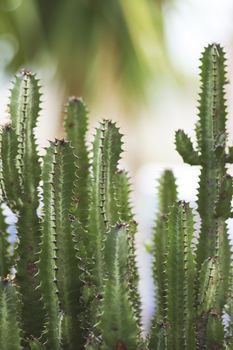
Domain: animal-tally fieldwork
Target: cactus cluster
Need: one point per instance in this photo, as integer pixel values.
(71, 280)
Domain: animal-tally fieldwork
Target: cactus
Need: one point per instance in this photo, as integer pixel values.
(215, 186)
(193, 280)
(71, 282)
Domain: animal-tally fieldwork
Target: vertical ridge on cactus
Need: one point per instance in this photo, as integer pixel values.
(71, 283)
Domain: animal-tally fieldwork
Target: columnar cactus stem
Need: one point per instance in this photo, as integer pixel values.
(20, 176)
(48, 255)
(76, 122)
(102, 210)
(110, 155)
(68, 273)
(118, 322)
(10, 337)
(167, 197)
(61, 282)
(215, 193)
(173, 326)
(103, 207)
(123, 191)
(180, 279)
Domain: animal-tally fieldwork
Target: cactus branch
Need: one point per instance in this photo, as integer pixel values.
(118, 322)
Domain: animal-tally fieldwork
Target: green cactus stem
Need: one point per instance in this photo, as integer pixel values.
(103, 208)
(125, 212)
(123, 191)
(20, 176)
(48, 255)
(118, 322)
(176, 318)
(10, 333)
(76, 122)
(61, 283)
(68, 272)
(167, 195)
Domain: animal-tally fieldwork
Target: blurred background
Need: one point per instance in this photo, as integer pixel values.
(134, 61)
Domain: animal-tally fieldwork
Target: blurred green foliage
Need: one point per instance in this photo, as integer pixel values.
(86, 41)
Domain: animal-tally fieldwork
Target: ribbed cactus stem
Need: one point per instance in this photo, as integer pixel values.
(111, 143)
(167, 195)
(208, 311)
(211, 137)
(119, 327)
(68, 272)
(125, 212)
(173, 325)
(10, 333)
(123, 192)
(103, 205)
(180, 275)
(76, 123)
(48, 255)
(21, 162)
(214, 195)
